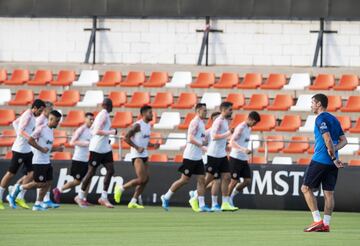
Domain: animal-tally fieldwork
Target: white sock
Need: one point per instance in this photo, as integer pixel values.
(327, 219)
(133, 200)
(81, 194)
(21, 194)
(47, 197)
(316, 216)
(122, 188)
(201, 201)
(168, 194)
(214, 201)
(234, 193)
(104, 195)
(1, 192)
(225, 199)
(195, 193)
(37, 203)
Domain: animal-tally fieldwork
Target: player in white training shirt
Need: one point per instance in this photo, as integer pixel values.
(239, 166)
(100, 153)
(80, 160)
(192, 162)
(42, 140)
(21, 149)
(138, 138)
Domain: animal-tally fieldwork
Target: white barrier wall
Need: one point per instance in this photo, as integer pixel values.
(174, 41)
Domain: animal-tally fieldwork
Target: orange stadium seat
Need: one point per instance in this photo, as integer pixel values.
(118, 98)
(251, 81)
(73, 119)
(186, 100)
(282, 102)
(124, 145)
(157, 79)
(116, 156)
(64, 78)
(267, 123)
(352, 105)
(275, 81)
(345, 122)
(203, 80)
(272, 147)
(8, 137)
(60, 138)
(208, 123)
(138, 100)
(334, 103)
(311, 149)
(323, 82)
(158, 158)
(348, 82)
(155, 138)
(110, 78)
(68, 98)
(7, 116)
(154, 120)
(186, 122)
(237, 99)
(296, 147)
(178, 158)
(59, 156)
(162, 100)
(134, 79)
(18, 77)
(290, 123)
(227, 81)
(257, 102)
(3, 75)
(354, 163)
(239, 118)
(355, 129)
(304, 161)
(258, 160)
(42, 77)
(22, 98)
(122, 120)
(48, 95)
(8, 155)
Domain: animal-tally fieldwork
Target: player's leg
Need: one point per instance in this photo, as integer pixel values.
(142, 173)
(183, 180)
(20, 199)
(81, 197)
(201, 193)
(108, 162)
(215, 190)
(241, 170)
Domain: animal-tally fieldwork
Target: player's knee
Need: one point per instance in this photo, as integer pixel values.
(143, 180)
(305, 189)
(110, 171)
(247, 182)
(41, 184)
(226, 177)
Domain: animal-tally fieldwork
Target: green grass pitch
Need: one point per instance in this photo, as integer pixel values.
(70, 225)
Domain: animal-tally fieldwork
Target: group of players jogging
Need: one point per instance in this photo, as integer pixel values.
(218, 170)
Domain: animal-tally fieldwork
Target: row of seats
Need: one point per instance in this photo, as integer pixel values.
(186, 100)
(274, 81)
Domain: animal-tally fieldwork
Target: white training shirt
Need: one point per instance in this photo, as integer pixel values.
(44, 136)
(196, 129)
(100, 143)
(83, 134)
(26, 122)
(241, 136)
(141, 139)
(41, 120)
(217, 148)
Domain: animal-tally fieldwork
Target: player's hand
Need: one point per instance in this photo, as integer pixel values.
(232, 130)
(156, 146)
(61, 148)
(45, 150)
(140, 149)
(338, 163)
(114, 131)
(248, 152)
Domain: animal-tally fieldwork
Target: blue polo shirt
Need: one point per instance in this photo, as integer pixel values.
(325, 122)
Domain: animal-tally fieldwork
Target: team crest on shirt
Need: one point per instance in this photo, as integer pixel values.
(49, 142)
(41, 178)
(202, 135)
(323, 126)
(93, 163)
(20, 160)
(146, 136)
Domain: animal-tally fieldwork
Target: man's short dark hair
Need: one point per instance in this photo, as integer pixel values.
(225, 105)
(199, 106)
(255, 116)
(38, 103)
(89, 114)
(144, 109)
(214, 115)
(56, 113)
(322, 98)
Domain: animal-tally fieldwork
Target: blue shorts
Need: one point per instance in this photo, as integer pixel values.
(317, 173)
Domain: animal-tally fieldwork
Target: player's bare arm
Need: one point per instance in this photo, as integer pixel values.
(130, 134)
(34, 144)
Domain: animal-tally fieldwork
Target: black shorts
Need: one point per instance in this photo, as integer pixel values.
(144, 159)
(317, 173)
(43, 172)
(79, 169)
(217, 166)
(239, 169)
(100, 158)
(190, 167)
(19, 159)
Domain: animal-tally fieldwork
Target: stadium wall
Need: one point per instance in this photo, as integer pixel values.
(175, 41)
(273, 186)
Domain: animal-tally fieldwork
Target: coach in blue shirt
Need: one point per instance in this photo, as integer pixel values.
(323, 169)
